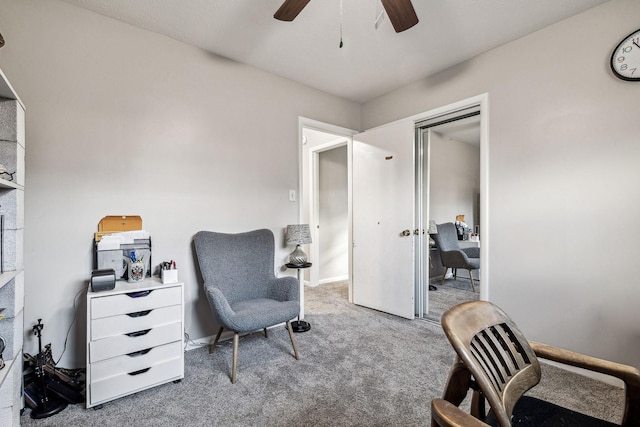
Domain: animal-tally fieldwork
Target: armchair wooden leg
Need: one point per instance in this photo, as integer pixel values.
(266, 334)
(443, 276)
(293, 341)
(234, 363)
(471, 278)
(215, 342)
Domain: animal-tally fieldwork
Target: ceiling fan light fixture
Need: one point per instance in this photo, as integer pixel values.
(401, 14)
(290, 9)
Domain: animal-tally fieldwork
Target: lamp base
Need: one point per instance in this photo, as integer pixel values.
(300, 326)
(298, 257)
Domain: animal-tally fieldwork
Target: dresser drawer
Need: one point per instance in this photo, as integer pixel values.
(111, 305)
(140, 340)
(127, 383)
(131, 322)
(135, 361)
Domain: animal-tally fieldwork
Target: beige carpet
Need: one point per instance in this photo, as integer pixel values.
(452, 293)
(358, 367)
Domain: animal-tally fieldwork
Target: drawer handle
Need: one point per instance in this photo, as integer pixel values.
(139, 313)
(138, 333)
(139, 353)
(139, 294)
(141, 371)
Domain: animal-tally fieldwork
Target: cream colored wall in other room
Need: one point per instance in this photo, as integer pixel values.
(124, 121)
(563, 177)
(334, 218)
(454, 179)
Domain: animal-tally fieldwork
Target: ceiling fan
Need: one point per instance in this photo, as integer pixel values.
(400, 12)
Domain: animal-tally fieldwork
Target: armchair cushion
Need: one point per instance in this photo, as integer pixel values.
(528, 412)
(532, 412)
(253, 314)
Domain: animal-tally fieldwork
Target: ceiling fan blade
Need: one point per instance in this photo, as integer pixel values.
(401, 14)
(290, 9)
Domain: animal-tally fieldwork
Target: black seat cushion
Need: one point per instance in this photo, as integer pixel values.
(532, 412)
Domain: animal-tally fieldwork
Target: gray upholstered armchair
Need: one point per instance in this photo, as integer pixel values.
(452, 255)
(241, 286)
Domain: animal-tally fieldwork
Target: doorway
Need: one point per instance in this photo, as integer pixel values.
(390, 147)
(325, 182)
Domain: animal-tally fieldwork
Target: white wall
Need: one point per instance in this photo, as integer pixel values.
(123, 121)
(563, 178)
(334, 215)
(454, 179)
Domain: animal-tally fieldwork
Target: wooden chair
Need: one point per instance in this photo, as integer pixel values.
(496, 361)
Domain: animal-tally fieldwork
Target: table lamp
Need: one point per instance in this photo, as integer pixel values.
(298, 234)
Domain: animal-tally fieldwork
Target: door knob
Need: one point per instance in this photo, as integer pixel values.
(406, 233)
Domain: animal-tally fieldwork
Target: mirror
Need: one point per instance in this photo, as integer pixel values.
(452, 172)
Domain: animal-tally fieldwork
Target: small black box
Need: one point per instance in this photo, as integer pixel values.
(103, 280)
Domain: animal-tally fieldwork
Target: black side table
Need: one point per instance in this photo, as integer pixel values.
(300, 325)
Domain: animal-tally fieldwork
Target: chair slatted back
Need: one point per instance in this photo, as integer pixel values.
(496, 353)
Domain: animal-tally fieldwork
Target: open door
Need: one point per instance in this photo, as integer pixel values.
(383, 219)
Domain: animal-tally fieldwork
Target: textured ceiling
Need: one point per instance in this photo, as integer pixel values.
(374, 59)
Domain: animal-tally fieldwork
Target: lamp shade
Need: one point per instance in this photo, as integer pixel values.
(298, 234)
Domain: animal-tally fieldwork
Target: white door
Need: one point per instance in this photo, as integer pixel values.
(383, 197)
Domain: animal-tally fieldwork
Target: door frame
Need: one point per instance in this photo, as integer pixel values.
(481, 101)
(308, 204)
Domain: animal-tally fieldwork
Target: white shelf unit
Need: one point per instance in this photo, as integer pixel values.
(12, 152)
(135, 338)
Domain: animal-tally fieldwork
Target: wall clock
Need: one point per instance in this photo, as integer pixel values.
(625, 60)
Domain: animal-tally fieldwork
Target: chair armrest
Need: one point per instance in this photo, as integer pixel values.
(445, 414)
(455, 258)
(628, 374)
(219, 304)
(471, 252)
(284, 288)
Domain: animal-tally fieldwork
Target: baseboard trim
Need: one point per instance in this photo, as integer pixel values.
(334, 279)
(192, 344)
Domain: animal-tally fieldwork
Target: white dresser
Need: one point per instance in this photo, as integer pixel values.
(134, 338)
